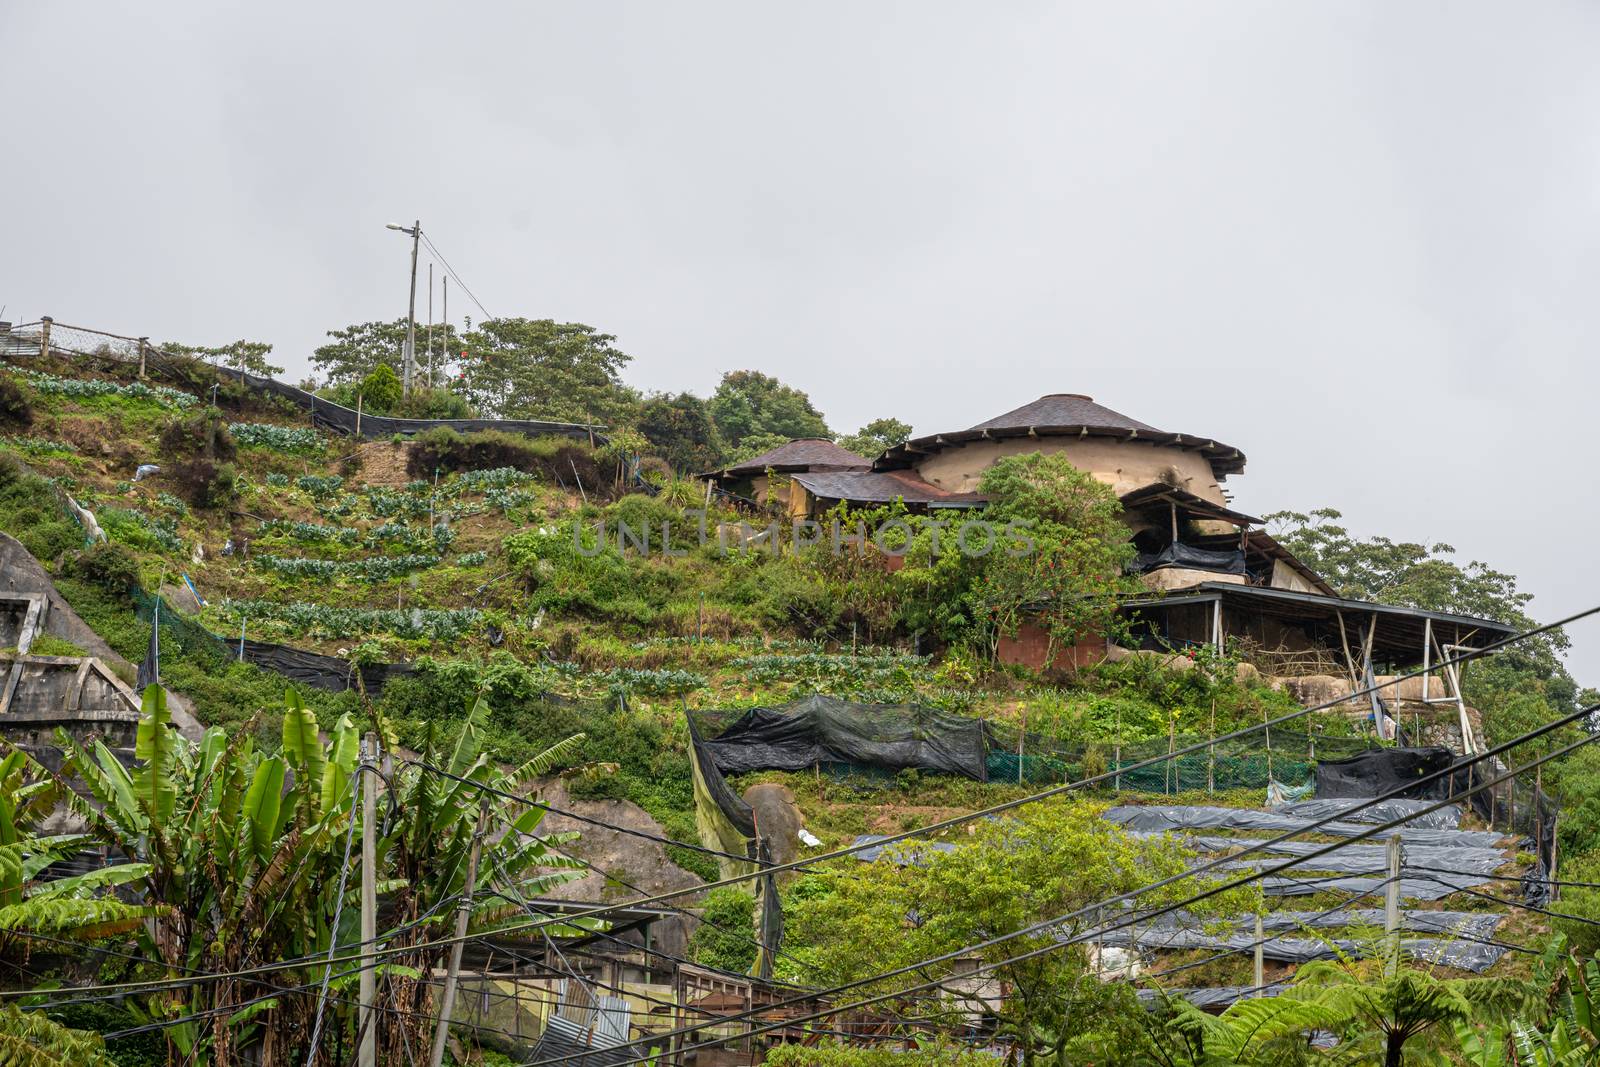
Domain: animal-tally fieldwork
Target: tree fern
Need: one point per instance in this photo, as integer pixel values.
(30, 1039)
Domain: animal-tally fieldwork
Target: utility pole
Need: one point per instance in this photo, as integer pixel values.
(1391, 909)
(445, 360)
(414, 231)
(367, 1021)
(447, 1004)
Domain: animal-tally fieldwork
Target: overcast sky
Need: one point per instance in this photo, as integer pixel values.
(1359, 241)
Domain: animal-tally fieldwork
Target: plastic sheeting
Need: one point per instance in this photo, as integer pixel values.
(1464, 953)
(319, 671)
(1178, 554)
(821, 729)
(1216, 997)
(1446, 818)
(1381, 770)
(1201, 817)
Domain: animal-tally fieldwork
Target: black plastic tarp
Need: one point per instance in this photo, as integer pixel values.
(1445, 818)
(821, 729)
(319, 671)
(1178, 554)
(1381, 770)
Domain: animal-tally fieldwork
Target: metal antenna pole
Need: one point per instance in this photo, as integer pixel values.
(446, 282)
(430, 325)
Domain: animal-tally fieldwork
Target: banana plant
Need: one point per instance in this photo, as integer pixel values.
(234, 857)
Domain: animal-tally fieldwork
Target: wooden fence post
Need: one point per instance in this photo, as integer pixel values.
(144, 347)
(45, 322)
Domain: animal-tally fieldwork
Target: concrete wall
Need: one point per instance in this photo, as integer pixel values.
(1123, 465)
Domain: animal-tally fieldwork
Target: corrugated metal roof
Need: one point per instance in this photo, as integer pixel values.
(807, 453)
(883, 487)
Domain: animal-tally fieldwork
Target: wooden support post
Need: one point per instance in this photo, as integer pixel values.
(1172, 746)
(1391, 909)
(1261, 960)
(463, 913)
(45, 322)
(367, 1023)
(144, 347)
(1116, 766)
(1022, 733)
(1268, 730)
(359, 399)
(1211, 751)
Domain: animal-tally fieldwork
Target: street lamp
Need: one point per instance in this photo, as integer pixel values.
(414, 231)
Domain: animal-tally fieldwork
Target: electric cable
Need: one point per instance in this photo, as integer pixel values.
(1215, 890)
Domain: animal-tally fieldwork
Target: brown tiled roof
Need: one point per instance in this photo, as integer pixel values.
(883, 487)
(1064, 415)
(805, 454)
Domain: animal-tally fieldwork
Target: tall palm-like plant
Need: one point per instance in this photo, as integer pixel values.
(237, 856)
(428, 847)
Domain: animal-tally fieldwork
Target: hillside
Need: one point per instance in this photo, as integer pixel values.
(433, 570)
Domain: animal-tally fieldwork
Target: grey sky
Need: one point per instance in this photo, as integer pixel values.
(1360, 241)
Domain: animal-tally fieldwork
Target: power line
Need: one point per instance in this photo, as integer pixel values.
(1212, 891)
(435, 250)
(1055, 791)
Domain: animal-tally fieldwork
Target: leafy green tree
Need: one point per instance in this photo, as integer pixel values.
(543, 369)
(724, 938)
(752, 446)
(916, 903)
(1065, 565)
(680, 429)
(748, 403)
(876, 436)
(240, 355)
(355, 351)
(1385, 1012)
(1418, 575)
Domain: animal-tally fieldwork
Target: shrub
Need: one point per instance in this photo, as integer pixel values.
(557, 459)
(14, 407)
(725, 940)
(109, 565)
(205, 436)
(380, 390)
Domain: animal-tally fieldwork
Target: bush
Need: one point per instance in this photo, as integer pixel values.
(108, 565)
(556, 458)
(14, 407)
(206, 484)
(726, 939)
(205, 436)
(380, 390)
